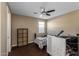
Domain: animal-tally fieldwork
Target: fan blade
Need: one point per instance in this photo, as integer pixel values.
(50, 11)
(48, 14)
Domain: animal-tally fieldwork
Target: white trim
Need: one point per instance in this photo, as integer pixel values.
(31, 42)
(14, 45)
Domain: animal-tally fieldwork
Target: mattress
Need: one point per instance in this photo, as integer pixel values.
(41, 41)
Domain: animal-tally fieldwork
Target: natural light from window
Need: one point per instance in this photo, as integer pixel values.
(41, 26)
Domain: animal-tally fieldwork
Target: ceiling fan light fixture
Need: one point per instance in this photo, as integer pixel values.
(42, 10)
(41, 15)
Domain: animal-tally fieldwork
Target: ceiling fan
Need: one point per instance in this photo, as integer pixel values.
(44, 12)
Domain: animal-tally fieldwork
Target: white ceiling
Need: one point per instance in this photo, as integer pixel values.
(28, 8)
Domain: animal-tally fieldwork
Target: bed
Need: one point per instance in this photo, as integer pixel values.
(41, 41)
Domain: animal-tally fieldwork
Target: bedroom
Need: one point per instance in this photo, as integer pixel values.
(40, 23)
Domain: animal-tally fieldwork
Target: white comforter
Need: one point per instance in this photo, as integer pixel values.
(41, 41)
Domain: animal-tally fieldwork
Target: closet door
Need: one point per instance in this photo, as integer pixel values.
(22, 36)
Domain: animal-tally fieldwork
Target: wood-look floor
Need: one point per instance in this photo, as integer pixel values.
(29, 50)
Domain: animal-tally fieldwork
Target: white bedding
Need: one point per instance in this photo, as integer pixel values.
(41, 41)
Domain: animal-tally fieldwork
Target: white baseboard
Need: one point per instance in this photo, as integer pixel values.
(30, 42)
(14, 45)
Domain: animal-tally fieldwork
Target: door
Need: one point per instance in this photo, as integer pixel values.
(22, 36)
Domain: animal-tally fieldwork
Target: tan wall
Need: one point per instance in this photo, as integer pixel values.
(69, 23)
(24, 22)
(0, 28)
(3, 28)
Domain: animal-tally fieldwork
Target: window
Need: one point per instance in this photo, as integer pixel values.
(41, 26)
